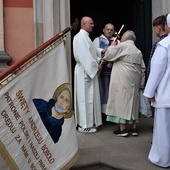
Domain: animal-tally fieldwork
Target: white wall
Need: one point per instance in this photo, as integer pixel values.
(159, 7)
(50, 18)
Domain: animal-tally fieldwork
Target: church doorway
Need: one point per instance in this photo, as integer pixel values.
(134, 14)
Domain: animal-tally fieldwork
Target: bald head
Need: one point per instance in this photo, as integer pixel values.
(87, 24)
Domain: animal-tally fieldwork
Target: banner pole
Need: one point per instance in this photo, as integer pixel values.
(16, 65)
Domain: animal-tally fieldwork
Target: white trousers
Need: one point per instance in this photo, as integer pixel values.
(160, 151)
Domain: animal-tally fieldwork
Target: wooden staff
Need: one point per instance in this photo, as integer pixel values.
(33, 53)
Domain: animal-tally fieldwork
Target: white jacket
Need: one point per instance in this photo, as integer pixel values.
(158, 84)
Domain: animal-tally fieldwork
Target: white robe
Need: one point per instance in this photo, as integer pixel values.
(103, 80)
(160, 151)
(96, 42)
(158, 83)
(158, 86)
(86, 88)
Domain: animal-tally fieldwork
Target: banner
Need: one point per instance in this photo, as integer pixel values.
(37, 127)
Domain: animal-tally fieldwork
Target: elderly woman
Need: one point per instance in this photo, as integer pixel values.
(127, 77)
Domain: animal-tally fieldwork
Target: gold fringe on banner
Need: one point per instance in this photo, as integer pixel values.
(72, 161)
(7, 158)
(12, 165)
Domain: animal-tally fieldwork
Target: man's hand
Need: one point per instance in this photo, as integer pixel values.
(114, 42)
(104, 50)
(103, 60)
(151, 99)
(99, 67)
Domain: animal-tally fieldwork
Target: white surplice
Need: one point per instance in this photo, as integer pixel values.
(104, 79)
(86, 88)
(158, 86)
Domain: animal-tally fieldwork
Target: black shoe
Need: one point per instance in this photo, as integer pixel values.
(133, 132)
(122, 133)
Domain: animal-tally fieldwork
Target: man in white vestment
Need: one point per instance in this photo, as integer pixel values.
(127, 77)
(86, 88)
(157, 90)
(102, 43)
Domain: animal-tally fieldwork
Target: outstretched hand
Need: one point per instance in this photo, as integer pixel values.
(114, 42)
(103, 60)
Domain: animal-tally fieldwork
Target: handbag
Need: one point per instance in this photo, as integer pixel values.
(144, 106)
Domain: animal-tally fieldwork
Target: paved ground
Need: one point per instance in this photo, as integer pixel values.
(3, 165)
(104, 151)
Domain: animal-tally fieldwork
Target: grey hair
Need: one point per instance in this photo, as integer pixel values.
(130, 35)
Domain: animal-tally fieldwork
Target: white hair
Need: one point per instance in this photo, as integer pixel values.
(130, 35)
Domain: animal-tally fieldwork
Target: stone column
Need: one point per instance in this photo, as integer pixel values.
(4, 58)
